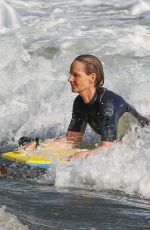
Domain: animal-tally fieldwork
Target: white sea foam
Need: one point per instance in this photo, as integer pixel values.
(38, 92)
(124, 167)
(9, 221)
(139, 7)
(8, 16)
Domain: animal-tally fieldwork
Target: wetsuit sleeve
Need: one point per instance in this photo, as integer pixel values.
(78, 122)
(142, 120)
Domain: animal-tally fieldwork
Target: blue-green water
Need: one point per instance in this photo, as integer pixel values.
(46, 207)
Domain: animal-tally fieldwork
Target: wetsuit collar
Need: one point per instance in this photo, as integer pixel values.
(97, 95)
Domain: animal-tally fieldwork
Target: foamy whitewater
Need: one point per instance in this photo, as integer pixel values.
(38, 42)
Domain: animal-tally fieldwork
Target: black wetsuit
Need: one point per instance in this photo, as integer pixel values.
(102, 114)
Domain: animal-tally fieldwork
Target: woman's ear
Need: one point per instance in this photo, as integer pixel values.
(92, 78)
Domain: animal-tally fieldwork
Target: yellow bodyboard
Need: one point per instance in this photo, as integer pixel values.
(41, 156)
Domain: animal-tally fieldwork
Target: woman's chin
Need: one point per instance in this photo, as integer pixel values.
(74, 90)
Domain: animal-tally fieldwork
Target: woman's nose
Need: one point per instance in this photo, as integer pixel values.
(70, 78)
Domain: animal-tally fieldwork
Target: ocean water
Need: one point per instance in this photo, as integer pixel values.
(38, 41)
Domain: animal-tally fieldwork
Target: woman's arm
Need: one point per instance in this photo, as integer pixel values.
(84, 154)
(70, 141)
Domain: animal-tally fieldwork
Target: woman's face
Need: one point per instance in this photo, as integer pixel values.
(78, 79)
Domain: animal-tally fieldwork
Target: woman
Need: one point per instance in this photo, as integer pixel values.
(107, 113)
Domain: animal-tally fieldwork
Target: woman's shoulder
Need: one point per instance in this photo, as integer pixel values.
(111, 99)
(112, 96)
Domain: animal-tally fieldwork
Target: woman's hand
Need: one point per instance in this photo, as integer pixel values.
(30, 146)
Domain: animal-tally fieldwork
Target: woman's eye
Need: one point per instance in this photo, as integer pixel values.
(76, 75)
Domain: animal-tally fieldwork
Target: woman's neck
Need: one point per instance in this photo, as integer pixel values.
(87, 95)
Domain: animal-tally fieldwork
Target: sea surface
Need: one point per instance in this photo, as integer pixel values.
(38, 41)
